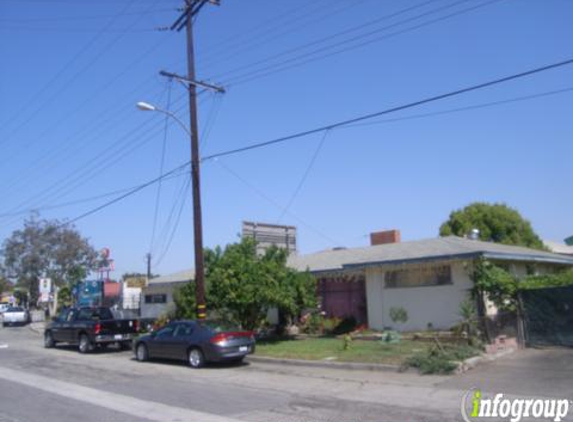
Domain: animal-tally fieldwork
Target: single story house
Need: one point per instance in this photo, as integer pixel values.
(428, 278)
(157, 296)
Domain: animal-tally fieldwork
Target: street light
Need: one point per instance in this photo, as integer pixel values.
(197, 220)
(143, 106)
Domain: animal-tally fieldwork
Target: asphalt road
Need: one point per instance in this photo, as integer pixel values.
(38, 384)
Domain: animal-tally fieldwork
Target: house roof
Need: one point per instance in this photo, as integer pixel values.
(558, 247)
(442, 248)
(162, 287)
(181, 276)
(418, 251)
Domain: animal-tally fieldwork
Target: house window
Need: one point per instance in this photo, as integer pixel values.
(419, 277)
(157, 298)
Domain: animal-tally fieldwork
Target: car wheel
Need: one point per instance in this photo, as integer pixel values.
(85, 345)
(141, 353)
(196, 358)
(49, 340)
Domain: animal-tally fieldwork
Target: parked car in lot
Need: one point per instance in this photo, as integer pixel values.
(196, 342)
(90, 327)
(15, 315)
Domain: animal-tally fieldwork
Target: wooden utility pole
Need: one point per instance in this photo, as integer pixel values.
(148, 257)
(192, 7)
(195, 172)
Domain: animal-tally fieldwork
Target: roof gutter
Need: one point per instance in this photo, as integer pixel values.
(528, 258)
(463, 256)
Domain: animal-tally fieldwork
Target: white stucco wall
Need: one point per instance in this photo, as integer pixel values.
(131, 297)
(438, 305)
(154, 310)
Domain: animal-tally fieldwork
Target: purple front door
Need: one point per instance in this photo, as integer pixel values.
(344, 297)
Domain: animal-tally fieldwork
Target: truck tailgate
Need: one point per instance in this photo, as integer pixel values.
(118, 326)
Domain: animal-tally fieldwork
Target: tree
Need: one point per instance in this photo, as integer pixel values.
(495, 222)
(497, 284)
(125, 276)
(242, 285)
(64, 298)
(5, 285)
(46, 248)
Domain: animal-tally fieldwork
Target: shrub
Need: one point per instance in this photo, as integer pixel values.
(330, 324)
(398, 315)
(564, 278)
(440, 359)
(313, 324)
(391, 337)
(430, 363)
(345, 326)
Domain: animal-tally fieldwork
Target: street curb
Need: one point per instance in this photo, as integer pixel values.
(472, 362)
(325, 364)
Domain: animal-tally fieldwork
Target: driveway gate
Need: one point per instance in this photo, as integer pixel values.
(548, 316)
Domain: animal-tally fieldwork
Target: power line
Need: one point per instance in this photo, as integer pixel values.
(127, 194)
(466, 108)
(350, 30)
(65, 67)
(211, 118)
(417, 116)
(239, 47)
(312, 56)
(77, 74)
(94, 167)
(51, 154)
(75, 202)
(178, 197)
(176, 225)
(275, 203)
(84, 17)
(162, 163)
(270, 200)
(304, 176)
(392, 109)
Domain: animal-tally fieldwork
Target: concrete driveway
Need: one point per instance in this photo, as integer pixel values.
(544, 372)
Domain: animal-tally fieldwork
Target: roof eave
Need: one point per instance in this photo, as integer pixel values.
(450, 257)
(528, 258)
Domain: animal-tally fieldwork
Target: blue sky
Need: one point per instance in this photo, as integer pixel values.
(69, 131)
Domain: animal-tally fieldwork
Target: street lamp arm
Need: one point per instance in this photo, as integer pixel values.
(174, 117)
(148, 107)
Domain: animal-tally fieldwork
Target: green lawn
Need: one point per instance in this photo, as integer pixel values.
(333, 349)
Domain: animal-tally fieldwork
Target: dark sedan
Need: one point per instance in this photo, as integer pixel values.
(197, 342)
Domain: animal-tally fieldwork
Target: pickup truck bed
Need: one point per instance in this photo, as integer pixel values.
(88, 328)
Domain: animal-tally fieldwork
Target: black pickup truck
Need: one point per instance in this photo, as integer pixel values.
(88, 328)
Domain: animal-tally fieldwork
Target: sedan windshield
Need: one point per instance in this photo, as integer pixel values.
(15, 309)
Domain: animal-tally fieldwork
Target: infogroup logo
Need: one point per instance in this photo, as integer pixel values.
(475, 407)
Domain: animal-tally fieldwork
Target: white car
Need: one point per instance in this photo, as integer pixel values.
(15, 315)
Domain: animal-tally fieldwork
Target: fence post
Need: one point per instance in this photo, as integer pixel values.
(521, 331)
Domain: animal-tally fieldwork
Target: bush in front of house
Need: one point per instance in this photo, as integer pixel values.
(561, 279)
(440, 360)
(431, 363)
(347, 325)
(398, 315)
